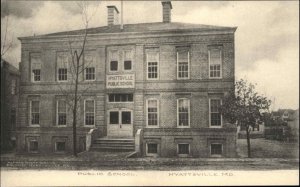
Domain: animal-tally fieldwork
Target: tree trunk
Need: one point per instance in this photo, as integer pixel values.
(75, 109)
(248, 141)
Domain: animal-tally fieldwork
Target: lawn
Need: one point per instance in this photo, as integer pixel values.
(262, 148)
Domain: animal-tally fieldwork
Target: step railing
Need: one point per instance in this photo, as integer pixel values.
(138, 142)
(90, 137)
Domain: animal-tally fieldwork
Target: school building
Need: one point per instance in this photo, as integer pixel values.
(154, 88)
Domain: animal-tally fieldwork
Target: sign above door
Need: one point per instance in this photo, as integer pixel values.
(120, 81)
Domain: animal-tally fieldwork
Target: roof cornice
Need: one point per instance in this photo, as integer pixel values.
(124, 35)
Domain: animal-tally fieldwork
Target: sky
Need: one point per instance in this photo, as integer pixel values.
(266, 41)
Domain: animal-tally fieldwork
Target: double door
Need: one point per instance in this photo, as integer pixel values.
(120, 123)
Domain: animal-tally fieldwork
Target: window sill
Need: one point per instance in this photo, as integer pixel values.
(34, 125)
(215, 127)
(183, 127)
(217, 78)
(60, 152)
(216, 156)
(152, 154)
(152, 127)
(61, 126)
(89, 126)
(33, 152)
(183, 155)
(183, 79)
(90, 80)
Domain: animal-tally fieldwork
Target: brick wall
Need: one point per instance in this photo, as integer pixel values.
(165, 89)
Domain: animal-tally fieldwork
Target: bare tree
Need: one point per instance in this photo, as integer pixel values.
(76, 67)
(6, 40)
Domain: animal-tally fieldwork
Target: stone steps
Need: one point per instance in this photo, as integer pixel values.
(113, 144)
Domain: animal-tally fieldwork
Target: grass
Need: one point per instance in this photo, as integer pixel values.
(262, 148)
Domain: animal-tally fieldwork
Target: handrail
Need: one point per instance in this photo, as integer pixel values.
(138, 141)
(90, 137)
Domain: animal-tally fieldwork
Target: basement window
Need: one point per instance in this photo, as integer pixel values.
(60, 146)
(216, 150)
(183, 149)
(33, 146)
(152, 149)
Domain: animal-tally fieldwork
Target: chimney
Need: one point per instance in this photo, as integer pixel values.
(112, 15)
(166, 11)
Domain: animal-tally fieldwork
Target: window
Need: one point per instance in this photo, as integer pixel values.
(89, 67)
(33, 146)
(183, 109)
(216, 149)
(215, 115)
(90, 73)
(62, 64)
(35, 68)
(114, 117)
(152, 148)
(89, 112)
(35, 112)
(183, 149)
(120, 98)
(114, 61)
(13, 86)
(60, 146)
(183, 64)
(215, 63)
(124, 116)
(127, 60)
(61, 112)
(152, 65)
(152, 110)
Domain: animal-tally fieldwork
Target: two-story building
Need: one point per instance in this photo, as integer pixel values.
(167, 79)
(10, 78)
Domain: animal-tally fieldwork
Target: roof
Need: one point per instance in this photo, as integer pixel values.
(144, 27)
(11, 69)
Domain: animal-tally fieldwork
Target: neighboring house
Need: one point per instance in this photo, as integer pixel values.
(283, 114)
(167, 79)
(10, 78)
(282, 125)
(293, 125)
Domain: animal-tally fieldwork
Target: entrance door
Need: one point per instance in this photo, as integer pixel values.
(120, 123)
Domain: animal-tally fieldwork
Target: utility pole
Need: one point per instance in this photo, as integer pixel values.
(121, 15)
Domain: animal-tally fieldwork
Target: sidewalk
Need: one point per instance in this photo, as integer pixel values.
(117, 160)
